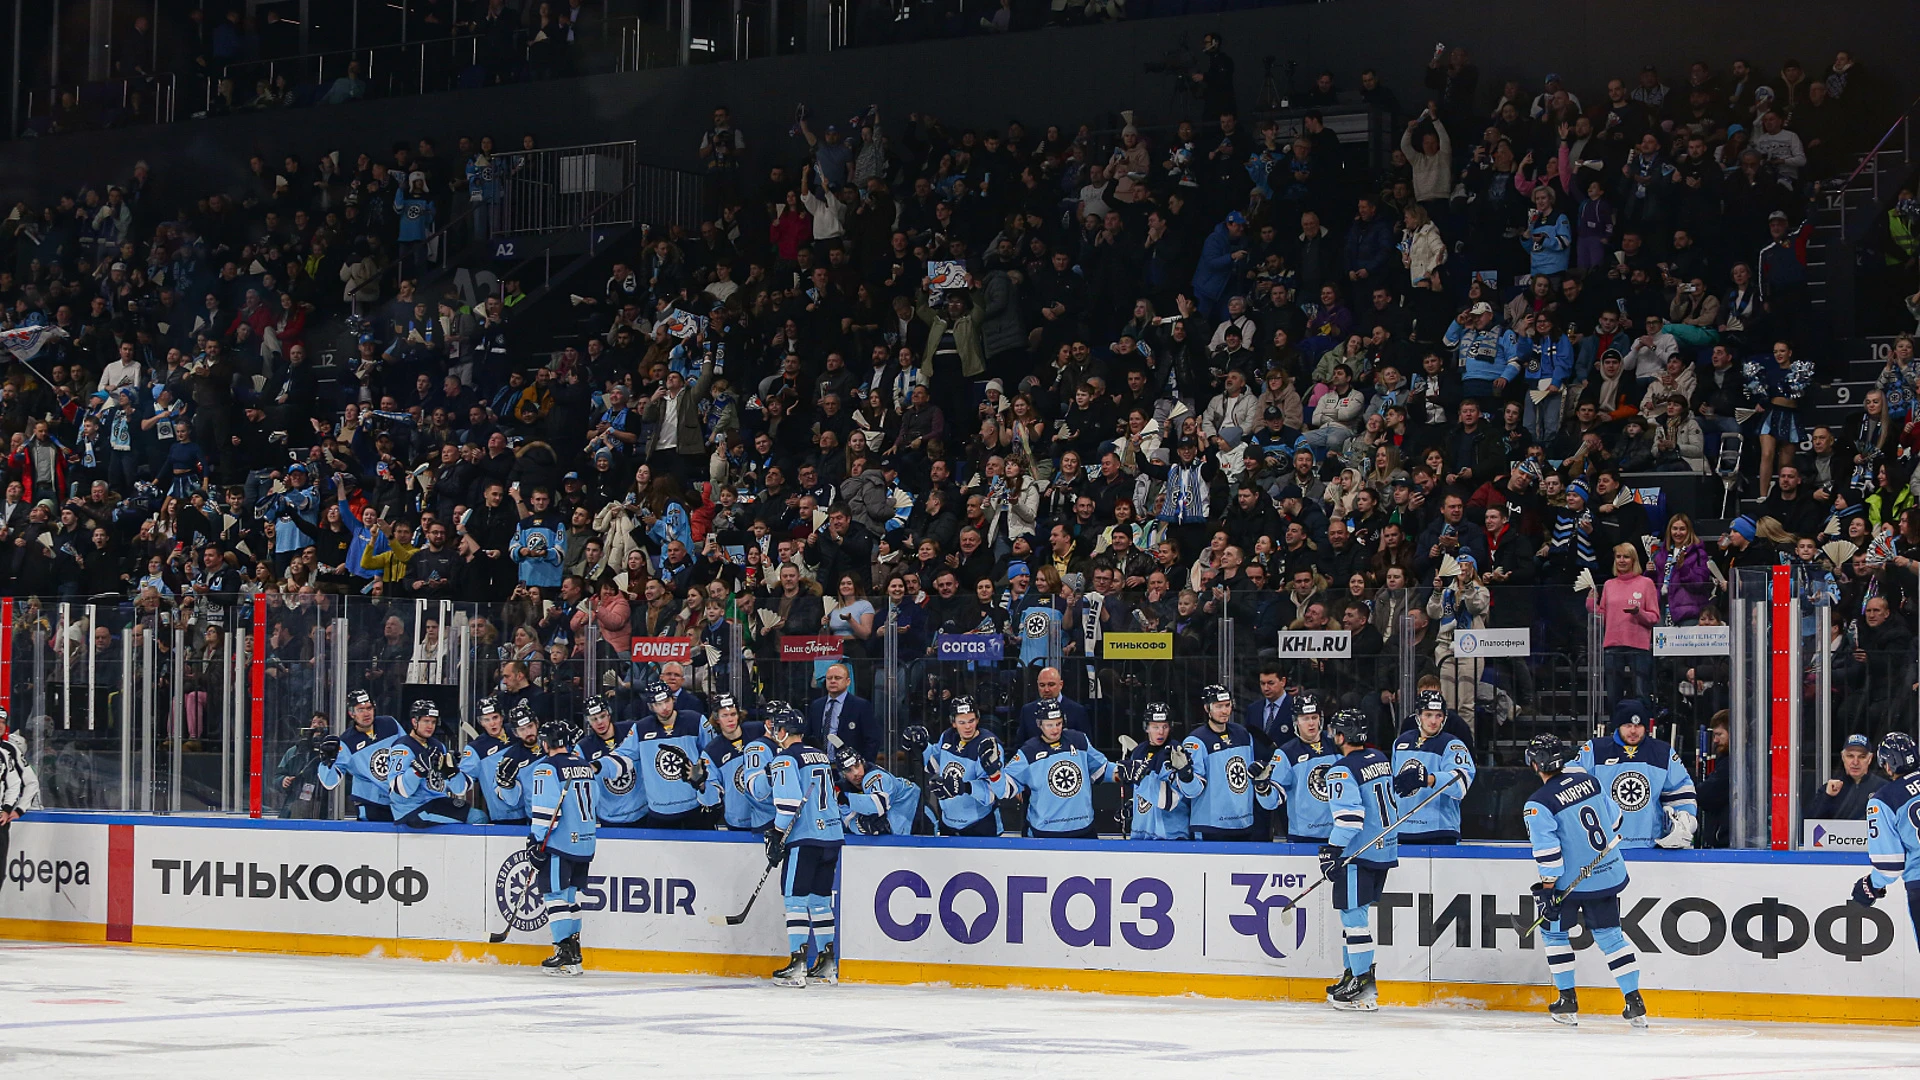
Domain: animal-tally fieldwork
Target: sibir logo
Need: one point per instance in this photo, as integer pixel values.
(515, 894)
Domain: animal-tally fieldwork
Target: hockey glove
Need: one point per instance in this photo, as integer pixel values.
(873, 825)
(446, 766)
(776, 846)
(1329, 859)
(1181, 761)
(990, 759)
(328, 748)
(508, 773)
(953, 787)
(1679, 834)
(697, 773)
(536, 846)
(915, 737)
(1865, 892)
(1546, 902)
(1409, 779)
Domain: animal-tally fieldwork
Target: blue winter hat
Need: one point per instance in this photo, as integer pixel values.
(1744, 525)
(1580, 488)
(1733, 129)
(1235, 217)
(1466, 558)
(1017, 569)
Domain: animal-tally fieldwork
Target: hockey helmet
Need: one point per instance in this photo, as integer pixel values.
(1897, 753)
(963, 706)
(779, 716)
(1547, 753)
(1214, 693)
(846, 759)
(357, 698)
(557, 733)
(1431, 701)
(1350, 726)
(1157, 713)
(1306, 705)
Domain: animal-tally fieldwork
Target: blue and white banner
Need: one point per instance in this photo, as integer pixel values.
(26, 342)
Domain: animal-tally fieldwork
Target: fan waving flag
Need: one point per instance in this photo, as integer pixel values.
(26, 342)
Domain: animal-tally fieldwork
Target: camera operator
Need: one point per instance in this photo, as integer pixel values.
(297, 777)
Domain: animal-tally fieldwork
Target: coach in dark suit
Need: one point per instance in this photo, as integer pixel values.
(1049, 684)
(839, 712)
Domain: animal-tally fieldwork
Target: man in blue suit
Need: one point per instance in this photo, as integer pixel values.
(840, 713)
(1273, 711)
(1050, 685)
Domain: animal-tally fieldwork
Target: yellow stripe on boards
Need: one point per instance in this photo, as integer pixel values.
(1668, 1004)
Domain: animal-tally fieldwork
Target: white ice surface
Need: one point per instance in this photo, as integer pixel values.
(79, 1012)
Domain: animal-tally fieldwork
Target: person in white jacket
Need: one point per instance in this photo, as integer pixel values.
(1234, 412)
(1336, 415)
(19, 787)
(1780, 146)
(1647, 359)
(1432, 160)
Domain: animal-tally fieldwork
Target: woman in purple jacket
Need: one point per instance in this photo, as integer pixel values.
(1680, 570)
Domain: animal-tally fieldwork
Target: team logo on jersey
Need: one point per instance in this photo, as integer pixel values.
(1065, 778)
(671, 767)
(381, 764)
(953, 773)
(1141, 807)
(1035, 624)
(1632, 791)
(1317, 782)
(1236, 775)
(517, 895)
(622, 782)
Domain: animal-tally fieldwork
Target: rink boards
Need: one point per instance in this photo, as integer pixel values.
(1738, 935)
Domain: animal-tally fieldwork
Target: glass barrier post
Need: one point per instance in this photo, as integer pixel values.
(178, 727)
(149, 707)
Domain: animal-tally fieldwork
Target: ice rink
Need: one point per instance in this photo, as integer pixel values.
(80, 1012)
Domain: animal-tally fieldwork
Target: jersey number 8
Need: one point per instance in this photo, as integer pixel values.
(1590, 821)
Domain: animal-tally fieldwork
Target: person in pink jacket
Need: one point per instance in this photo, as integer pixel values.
(1629, 606)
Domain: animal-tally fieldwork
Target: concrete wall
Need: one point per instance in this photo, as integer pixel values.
(1065, 77)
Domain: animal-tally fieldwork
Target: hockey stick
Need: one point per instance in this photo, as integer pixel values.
(736, 920)
(1384, 833)
(1590, 867)
(541, 850)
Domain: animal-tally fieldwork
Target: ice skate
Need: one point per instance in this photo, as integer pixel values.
(1636, 1010)
(1567, 1009)
(1360, 995)
(795, 973)
(826, 967)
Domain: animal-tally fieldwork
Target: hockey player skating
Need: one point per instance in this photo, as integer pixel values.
(1056, 770)
(1645, 778)
(1893, 840)
(807, 835)
(1360, 793)
(362, 755)
(1159, 813)
(1300, 767)
(1574, 827)
(1429, 757)
(561, 836)
(1215, 771)
(423, 773)
(873, 801)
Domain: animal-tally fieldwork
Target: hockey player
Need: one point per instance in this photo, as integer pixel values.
(480, 763)
(1646, 779)
(1893, 839)
(1056, 770)
(561, 835)
(1429, 757)
(964, 774)
(424, 772)
(619, 798)
(363, 754)
(1360, 792)
(1214, 770)
(736, 763)
(807, 834)
(1159, 813)
(664, 747)
(523, 750)
(873, 801)
(1300, 768)
(1572, 824)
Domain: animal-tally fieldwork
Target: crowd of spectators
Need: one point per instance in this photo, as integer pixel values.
(944, 379)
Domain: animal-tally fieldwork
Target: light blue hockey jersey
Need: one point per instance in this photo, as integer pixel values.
(1300, 769)
(1360, 790)
(410, 790)
(1450, 763)
(480, 763)
(668, 791)
(619, 798)
(511, 800)
(1221, 794)
(1644, 781)
(737, 779)
(560, 793)
(1058, 780)
(883, 796)
(805, 807)
(1159, 813)
(364, 758)
(1893, 837)
(1570, 821)
(950, 758)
